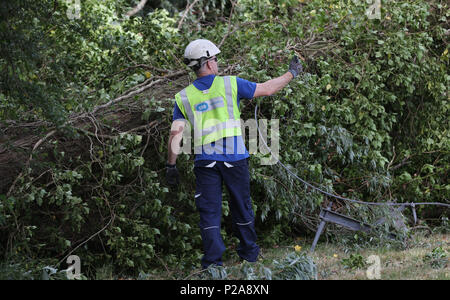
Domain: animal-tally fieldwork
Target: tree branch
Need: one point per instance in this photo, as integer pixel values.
(137, 8)
(29, 160)
(188, 8)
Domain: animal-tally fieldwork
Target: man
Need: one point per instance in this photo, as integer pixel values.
(211, 106)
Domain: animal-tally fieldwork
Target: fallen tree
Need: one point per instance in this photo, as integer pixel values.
(84, 133)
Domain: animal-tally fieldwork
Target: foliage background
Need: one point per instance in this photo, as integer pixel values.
(86, 104)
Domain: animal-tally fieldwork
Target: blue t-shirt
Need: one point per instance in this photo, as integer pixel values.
(246, 90)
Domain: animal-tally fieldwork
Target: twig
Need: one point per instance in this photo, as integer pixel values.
(146, 126)
(29, 159)
(150, 125)
(145, 67)
(137, 8)
(195, 273)
(130, 93)
(116, 100)
(165, 266)
(227, 69)
(188, 8)
(404, 162)
(87, 132)
(393, 157)
(229, 22)
(98, 232)
(148, 136)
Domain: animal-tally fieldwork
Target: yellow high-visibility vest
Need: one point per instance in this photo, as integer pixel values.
(213, 113)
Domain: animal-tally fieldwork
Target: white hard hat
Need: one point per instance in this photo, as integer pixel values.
(198, 49)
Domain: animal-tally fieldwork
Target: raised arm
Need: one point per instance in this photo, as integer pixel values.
(272, 86)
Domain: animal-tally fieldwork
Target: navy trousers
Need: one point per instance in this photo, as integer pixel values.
(208, 198)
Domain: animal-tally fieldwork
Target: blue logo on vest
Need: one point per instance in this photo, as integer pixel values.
(201, 106)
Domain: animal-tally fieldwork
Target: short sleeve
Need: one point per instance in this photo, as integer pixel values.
(246, 89)
(177, 114)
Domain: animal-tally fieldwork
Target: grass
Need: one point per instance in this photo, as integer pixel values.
(341, 262)
(334, 261)
(425, 256)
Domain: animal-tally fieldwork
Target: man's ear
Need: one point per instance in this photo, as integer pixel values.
(207, 63)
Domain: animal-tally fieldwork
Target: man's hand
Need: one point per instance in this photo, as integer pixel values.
(172, 175)
(295, 66)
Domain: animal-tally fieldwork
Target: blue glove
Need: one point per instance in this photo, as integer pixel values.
(295, 66)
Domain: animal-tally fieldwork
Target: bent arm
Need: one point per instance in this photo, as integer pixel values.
(176, 135)
(272, 86)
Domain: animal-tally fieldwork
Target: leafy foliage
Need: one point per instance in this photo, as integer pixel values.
(354, 261)
(294, 266)
(368, 120)
(437, 258)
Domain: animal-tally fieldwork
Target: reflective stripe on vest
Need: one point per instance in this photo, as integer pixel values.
(207, 113)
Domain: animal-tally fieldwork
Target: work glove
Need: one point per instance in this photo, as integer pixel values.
(295, 66)
(172, 175)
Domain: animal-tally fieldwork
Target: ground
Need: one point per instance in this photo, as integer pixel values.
(407, 264)
(419, 260)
